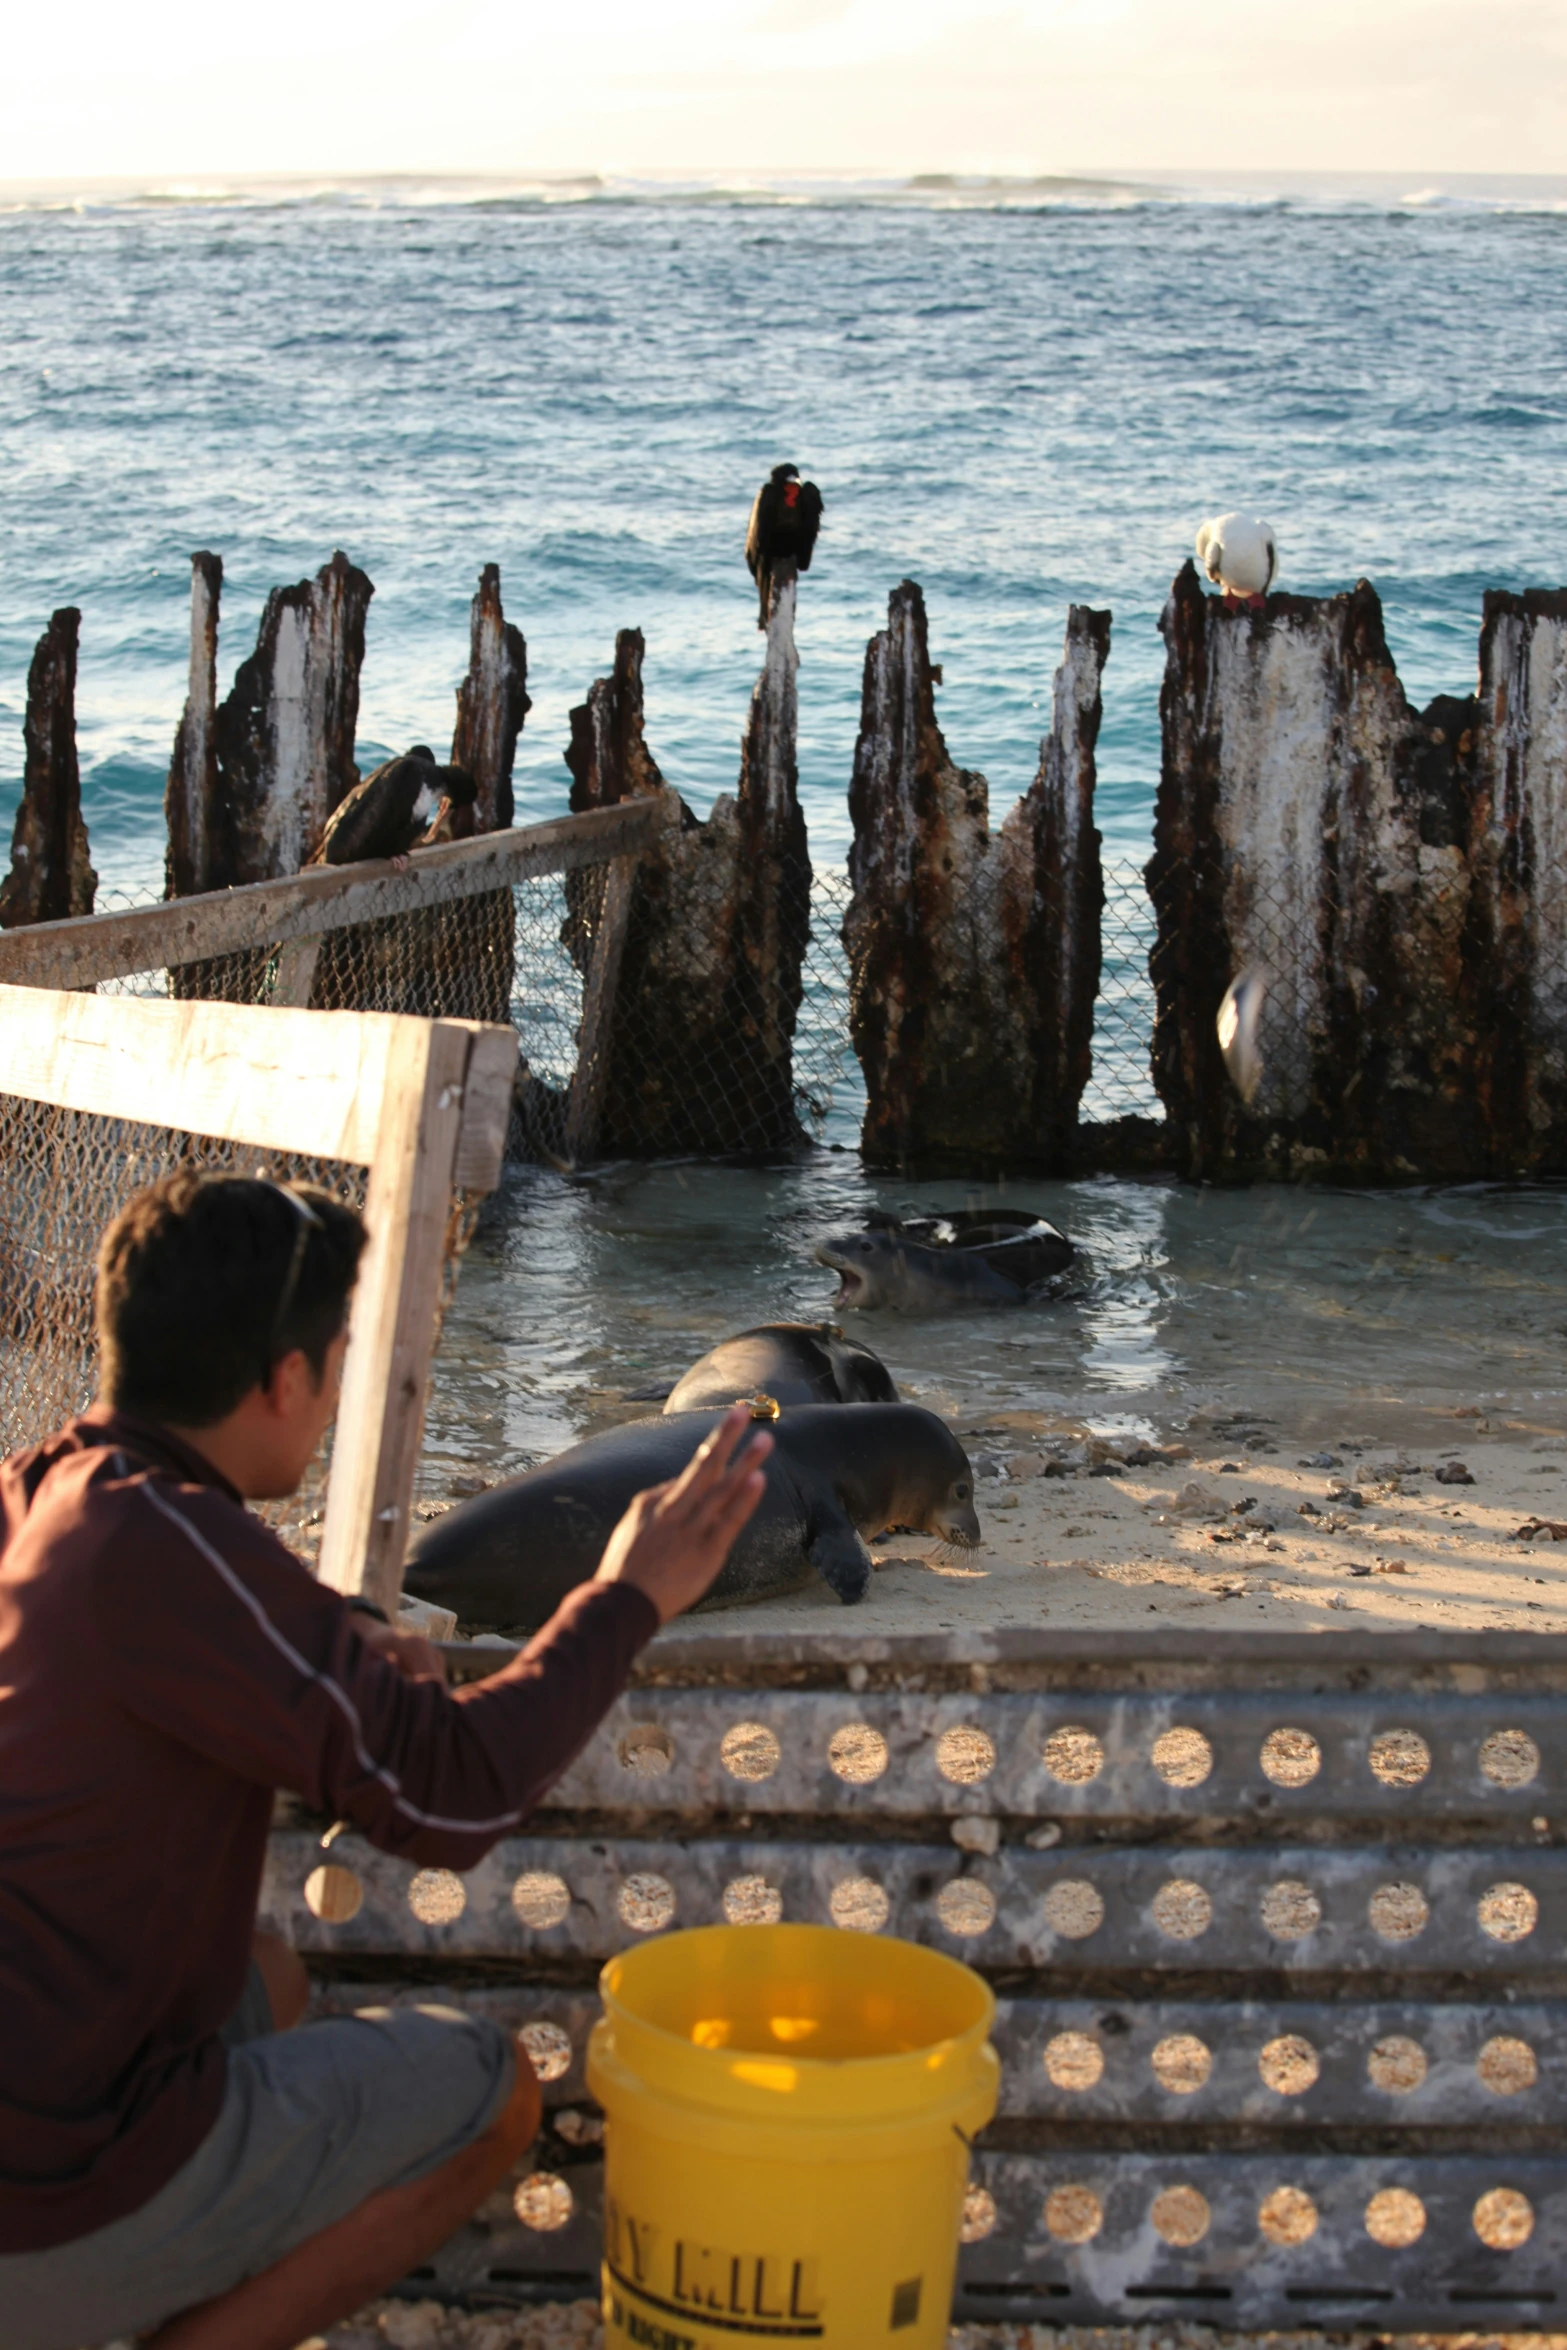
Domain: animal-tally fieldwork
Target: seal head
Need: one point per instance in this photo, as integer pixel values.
(931, 1264)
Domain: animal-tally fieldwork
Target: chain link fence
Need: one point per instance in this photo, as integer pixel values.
(693, 1063)
(1121, 1082)
(68, 1175)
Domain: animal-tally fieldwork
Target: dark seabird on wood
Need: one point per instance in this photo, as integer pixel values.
(784, 522)
(407, 803)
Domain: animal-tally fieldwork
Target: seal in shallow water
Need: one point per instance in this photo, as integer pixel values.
(794, 1362)
(508, 1559)
(926, 1264)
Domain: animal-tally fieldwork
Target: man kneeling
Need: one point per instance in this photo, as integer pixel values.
(174, 2161)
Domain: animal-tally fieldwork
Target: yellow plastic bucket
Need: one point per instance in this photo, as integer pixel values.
(789, 2111)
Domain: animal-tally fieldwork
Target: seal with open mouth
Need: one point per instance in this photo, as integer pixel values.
(929, 1264)
(508, 1559)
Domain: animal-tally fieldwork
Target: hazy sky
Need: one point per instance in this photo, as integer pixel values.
(103, 89)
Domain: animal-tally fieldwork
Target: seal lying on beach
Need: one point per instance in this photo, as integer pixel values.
(793, 1362)
(508, 1559)
(927, 1264)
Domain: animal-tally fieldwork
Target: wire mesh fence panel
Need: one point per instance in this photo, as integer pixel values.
(716, 1024)
(725, 1032)
(1121, 1083)
(403, 1118)
(68, 1175)
(829, 1090)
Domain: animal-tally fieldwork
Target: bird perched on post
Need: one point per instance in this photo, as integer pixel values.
(406, 803)
(1240, 555)
(784, 522)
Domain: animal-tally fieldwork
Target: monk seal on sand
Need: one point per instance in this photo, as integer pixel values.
(508, 1559)
(793, 1362)
(928, 1264)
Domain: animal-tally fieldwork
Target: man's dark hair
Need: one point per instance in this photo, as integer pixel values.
(206, 1281)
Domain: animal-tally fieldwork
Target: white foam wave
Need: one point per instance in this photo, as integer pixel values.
(936, 191)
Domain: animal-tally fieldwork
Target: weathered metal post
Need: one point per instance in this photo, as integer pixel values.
(974, 957)
(693, 1050)
(192, 804)
(468, 954)
(253, 780)
(492, 702)
(285, 735)
(1396, 877)
(1518, 863)
(51, 877)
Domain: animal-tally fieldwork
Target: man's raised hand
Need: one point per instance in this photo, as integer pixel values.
(674, 1538)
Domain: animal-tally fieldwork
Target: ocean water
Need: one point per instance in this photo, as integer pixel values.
(1021, 397)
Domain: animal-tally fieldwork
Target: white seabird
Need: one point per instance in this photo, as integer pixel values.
(1239, 554)
(1240, 1024)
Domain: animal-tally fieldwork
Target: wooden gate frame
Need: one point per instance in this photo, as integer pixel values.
(422, 1104)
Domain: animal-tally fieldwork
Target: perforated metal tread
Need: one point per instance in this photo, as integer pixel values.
(1283, 1991)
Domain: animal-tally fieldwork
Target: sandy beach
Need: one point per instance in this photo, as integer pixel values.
(1380, 1515)
(574, 2325)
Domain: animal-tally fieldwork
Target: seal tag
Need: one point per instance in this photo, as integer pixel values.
(765, 1407)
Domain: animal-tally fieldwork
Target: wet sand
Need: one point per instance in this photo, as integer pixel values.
(1241, 1337)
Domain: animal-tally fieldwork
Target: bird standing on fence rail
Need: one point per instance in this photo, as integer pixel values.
(784, 522)
(1240, 555)
(406, 803)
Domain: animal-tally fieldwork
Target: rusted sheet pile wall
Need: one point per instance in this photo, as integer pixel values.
(1520, 862)
(452, 961)
(253, 780)
(285, 735)
(701, 1029)
(51, 877)
(1395, 876)
(1277, 1936)
(973, 956)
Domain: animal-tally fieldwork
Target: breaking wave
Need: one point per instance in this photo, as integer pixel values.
(931, 191)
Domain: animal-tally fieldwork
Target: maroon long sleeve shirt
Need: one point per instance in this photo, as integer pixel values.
(165, 1666)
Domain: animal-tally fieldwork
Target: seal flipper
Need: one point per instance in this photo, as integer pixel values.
(841, 1559)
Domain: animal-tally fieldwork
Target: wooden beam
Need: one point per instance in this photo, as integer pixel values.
(296, 971)
(79, 953)
(423, 1104)
(288, 1081)
(486, 1106)
(392, 1330)
(591, 1075)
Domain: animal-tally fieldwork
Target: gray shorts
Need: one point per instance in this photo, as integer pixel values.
(313, 2123)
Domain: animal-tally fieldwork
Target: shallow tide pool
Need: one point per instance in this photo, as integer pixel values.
(1280, 1300)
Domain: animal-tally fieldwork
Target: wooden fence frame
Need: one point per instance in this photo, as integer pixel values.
(293, 916)
(303, 907)
(422, 1104)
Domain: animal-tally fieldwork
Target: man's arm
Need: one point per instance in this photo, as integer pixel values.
(214, 1634)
